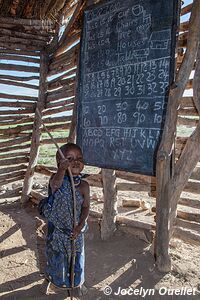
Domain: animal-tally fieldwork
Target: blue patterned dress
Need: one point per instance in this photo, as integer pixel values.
(58, 210)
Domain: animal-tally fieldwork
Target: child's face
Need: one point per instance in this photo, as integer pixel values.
(75, 159)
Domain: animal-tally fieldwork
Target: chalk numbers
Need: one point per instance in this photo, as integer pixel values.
(121, 108)
(101, 110)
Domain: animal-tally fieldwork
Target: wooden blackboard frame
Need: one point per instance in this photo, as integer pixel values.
(106, 164)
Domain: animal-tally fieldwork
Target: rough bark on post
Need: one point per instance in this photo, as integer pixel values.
(35, 141)
(185, 166)
(163, 199)
(108, 224)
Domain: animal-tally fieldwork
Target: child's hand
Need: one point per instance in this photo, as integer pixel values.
(63, 164)
(76, 232)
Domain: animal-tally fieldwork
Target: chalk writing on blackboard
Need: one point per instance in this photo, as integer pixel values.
(126, 66)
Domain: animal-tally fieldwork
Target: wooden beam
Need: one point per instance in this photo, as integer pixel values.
(11, 194)
(108, 224)
(164, 157)
(164, 173)
(54, 111)
(74, 39)
(61, 69)
(7, 170)
(13, 67)
(15, 46)
(58, 141)
(14, 161)
(60, 83)
(11, 180)
(17, 104)
(185, 10)
(29, 36)
(18, 78)
(26, 22)
(59, 103)
(16, 130)
(16, 112)
(18, 97)
(63, 76)
(35, 141)
(16, 83)
(13, 148)
(60, 95)
(21, 52)
(76, 13)
(19, 58)
(184, 26)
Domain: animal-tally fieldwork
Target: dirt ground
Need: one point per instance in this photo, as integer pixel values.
(124, 263)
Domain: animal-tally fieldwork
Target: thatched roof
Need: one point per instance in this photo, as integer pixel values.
(32, 9)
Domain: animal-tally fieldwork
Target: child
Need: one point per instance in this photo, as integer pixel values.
(58, 209)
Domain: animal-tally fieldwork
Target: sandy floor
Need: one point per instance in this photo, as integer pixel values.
(122, 262)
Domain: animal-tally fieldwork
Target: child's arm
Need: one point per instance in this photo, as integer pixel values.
(57, 179)
(84, 210)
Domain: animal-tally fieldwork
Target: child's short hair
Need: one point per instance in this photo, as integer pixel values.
(66, 147)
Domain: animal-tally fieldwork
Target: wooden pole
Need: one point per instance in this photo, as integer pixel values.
(163, 170)
(35, 141)
(108, 224)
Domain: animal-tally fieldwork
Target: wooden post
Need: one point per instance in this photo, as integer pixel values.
(108, 224)
(35, 141)
(163, 170)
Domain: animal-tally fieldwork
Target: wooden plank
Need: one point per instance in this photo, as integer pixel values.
(16, 141)
(188, 236)
(18, 97)
(136, 177)
(186, 9)
(63, 76)
(24, 35)
(74, 39)
(60, 83)
(187, 122)
(13, 148)
(11, 46)
(164, 170)
(13, 67)
(16, 83)
(20, 58)
(14, 154)
(35, 141)
(64, 68)
(60, 95)
(18, 78)
(108, 224)
(189, 202)
(16, 112)
(14, 161)
(77, 12)
(54, 111)
(16, 130)
(11, 180)
(11, 194)
(21, 53)
(26, 22)
(59, 103)
(17, 104)
(14, 174)
(12, 169)
(49, 141)
(125, 186)
(60, 89)
(184, 26)
(45, 170)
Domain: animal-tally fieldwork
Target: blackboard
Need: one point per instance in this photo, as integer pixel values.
(126, 67)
